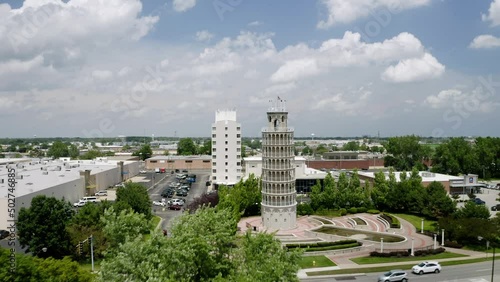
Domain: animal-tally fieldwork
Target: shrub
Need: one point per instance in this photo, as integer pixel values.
(390, 254)
(362, 210)
(352, 210)
(393, 221)
(341, 244)
(452, 244)
(373, 211)
(343, 212)
(429, 252)
(329, 248)
(304, 209)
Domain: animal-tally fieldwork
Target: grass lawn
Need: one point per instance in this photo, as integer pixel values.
(389, 267)
(429, 225)
(370, 260)
(87, 265)
(315, 261)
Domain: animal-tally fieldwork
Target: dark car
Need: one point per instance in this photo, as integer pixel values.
(4, 234)
(496, 207)
(479, 201)
(175, 207)
(181, 193)
(167, 192)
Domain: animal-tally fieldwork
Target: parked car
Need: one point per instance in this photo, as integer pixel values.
(80, 203)
(181, 193)
(496, 207)
(175, 207)
(167, 193)
(426, 267)
(478, 201)
(158, 203)
(101, 193)
(119, 185)
(176, 201)
(143, 171)
(393, 275)
(4, 234)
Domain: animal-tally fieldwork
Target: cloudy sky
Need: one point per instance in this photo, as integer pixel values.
(345, 67)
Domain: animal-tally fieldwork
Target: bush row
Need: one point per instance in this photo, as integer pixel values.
(354, 210)
(321, 244)
(407, 253)
(338, 247)
(452, 244)
(393, 221)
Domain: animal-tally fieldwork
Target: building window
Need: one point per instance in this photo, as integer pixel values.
(214, 142)
(153, 162)
(170, 161)
(238, 177)
(226, 142)
(226, 156)
(213, 150)
(226, 177)
(238, 170)
(238, 142)
(214, 170)
(238, 149)
(214, 163)
(238, 163)
(214, 128)
(214, 178)
(226, 135)
(188, 161)
(214, 156)
(238, 157)
(226, 170)
(226, 149)
(213, 135)
(206, 161)
(226, 163)
(238, 135)
(238, 128)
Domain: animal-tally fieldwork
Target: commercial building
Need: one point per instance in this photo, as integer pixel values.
(61, 178)
(170, 163)
(452, 184)
(226, 149)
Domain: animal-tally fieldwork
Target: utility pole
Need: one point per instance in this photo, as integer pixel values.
(91, 252)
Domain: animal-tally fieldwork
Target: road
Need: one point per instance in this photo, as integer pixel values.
(476, 272)
(197, 189)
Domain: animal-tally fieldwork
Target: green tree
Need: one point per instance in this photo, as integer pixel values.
(135, 196)
(123, 226)
(306, 151)
(351, 146)
(186, 147)
(58, 150)
(321, 149)
(243, 199)
(91, 155)
(261, 257)
(206, 149)
(30, 268)
(145, 152)
(437, 202)
(456, 156)
(405, 152)
(73, 151)
(472, 210)
(43, 225)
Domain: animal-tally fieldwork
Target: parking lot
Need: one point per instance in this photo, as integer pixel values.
(489, 196)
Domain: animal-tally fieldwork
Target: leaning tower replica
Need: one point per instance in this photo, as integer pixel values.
(279, 205)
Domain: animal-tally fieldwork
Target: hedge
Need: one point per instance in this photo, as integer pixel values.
(393, 221)
(329, 248)
(321, 244)
(373, 211)
(407, 253)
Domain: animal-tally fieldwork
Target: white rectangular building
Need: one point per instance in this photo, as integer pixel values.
(226, 148)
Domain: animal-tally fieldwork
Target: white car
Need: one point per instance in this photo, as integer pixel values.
(143, 171)
(158, 203)
(426, 267)
(101, 193)
(179, 202)
(80, 203)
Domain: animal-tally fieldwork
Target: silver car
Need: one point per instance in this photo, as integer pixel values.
(393, 275)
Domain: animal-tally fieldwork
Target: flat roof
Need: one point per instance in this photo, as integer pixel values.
(40, 175)
(200, 157)
(426, 176)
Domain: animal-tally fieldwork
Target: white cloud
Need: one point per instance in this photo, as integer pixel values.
(183, 5)
(102, 74)
(466, 102)
(485, 41)
(255, 23)
(493, 15)
(414, 69)
(296, 69)
(18, 66)
(204, 35)
(347, 11)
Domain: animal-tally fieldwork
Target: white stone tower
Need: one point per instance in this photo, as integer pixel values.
(279, 205)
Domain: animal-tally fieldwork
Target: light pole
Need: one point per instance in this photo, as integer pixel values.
(412, 252)
(442, 237)
(435, 242)
(422, 226)
(92, 251)
(382, 244)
